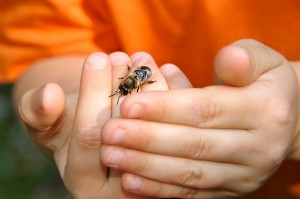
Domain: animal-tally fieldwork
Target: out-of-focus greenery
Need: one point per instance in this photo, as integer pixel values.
(24, 172)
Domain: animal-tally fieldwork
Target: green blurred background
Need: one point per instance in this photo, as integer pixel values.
(24, 172)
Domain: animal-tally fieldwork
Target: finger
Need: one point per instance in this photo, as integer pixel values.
(124, 66)
(147, 187)
(199, 144)
(120, 63)
(175, 78)
(179, 171)
(83, 170)
(216, 106)
(145, 59)
(40, 110)
(137, 60)
(244, 61)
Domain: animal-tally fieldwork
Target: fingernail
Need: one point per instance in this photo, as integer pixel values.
(115, 158)
(175, 77)
(97, 60)
(135, 111)
(135, 183)
(119, 58)
(169, 70)
(142, 58)
(117, 136)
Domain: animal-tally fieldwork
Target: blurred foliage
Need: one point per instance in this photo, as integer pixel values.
(24, 172)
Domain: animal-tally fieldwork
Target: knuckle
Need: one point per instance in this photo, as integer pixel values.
(89, 137)
(282, 113)
(188, 193)
(278, 107)
(268, 158)
(249, 183)
(160, 190)
(145, 143)
(196, 148)
(205, 111)
(191, 176)
(273, 158)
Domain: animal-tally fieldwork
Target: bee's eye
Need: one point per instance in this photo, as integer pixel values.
(125, 91)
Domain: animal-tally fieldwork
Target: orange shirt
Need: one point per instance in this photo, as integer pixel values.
(185, 32)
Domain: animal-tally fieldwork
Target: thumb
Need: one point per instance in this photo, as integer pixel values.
(40, 109)
(242, 62)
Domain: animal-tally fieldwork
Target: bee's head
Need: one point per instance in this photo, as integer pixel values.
(123, 89)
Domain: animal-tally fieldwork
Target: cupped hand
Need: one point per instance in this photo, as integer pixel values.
(70, 125)
(215, 142)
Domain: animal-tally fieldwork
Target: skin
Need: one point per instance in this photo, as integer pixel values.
(222, 141)
(223, 153)
(66, 117)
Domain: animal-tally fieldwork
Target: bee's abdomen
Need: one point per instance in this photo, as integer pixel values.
(143, 74)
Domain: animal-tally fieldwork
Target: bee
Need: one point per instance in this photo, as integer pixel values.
(133, 81)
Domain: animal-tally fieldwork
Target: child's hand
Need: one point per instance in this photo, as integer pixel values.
(216, 142)
(70, 125)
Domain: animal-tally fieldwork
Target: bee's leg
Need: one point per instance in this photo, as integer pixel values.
(128, 68)
(118, 99)
(113, 94)
(150, 82)
(138, 88)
